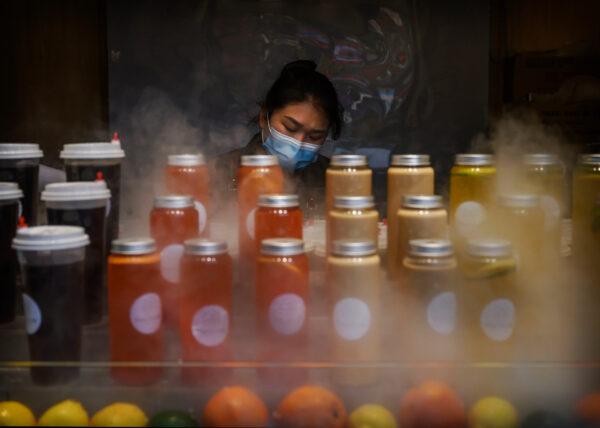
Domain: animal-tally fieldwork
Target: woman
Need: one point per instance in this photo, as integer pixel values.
(299, 111)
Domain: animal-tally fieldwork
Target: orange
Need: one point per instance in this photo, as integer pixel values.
(588, 408)
(235, 406)
(432, 405)
(310, 407)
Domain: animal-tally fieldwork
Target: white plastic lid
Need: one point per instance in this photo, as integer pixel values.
(92, 151)
(133, 246)
(173, 201)
(489, 247)
(282, 247)
(474, 159)
(76, 191)
(47, 238)
(410, 160)
(259, 160)
(541, 159)
(10, 191)
(187, 160)
(20, 151)
(352, 248)
(349, 160)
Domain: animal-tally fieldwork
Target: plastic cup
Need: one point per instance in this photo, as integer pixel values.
(10, 209)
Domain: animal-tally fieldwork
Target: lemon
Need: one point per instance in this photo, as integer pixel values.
(67, 413)
(493, 412)
(371, 416)
(120, 414)
(15, 414)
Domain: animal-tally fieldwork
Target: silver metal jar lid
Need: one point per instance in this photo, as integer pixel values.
(133, 246)
(278, 201)
(474, 159)
(187, 160)
(519, 201)
(259, 160)
(173, 201)
(353, 202)
(425, 202)
(205, 247)
(430, 248)
(10, 191)
(349, 160)
(410, 160)
(541, 159)
(488, 247)
(282, 247)
(353, 248)
(92, 151)
(20, 151)
(48, 238)
(76, 191)
(590, 159)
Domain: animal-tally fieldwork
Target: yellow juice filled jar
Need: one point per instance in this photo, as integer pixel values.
(472, 188)
(407, 175)
(347, 175)
(354, 297)
(429, 301)
(489, 312)
(544, 175)
(353, 217)
(586, 225)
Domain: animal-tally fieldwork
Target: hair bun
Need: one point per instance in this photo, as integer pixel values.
(299, 65)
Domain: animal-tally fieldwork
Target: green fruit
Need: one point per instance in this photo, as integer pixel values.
(493, 412)
(371, 416)
(172, 418)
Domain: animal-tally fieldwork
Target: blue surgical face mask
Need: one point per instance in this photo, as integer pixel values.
(292, 154)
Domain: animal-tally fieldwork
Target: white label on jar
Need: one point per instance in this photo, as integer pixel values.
(468, 216)
(287, 313)
(146, 314)
(210, 325)
(108, 207)
(551, 210)
(201, 215)
(441, 313)
(170, 258)
(251, 222)
(498, 319)
(351, 318)
(33, 315)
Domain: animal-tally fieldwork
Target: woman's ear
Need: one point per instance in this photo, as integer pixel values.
(262, 118)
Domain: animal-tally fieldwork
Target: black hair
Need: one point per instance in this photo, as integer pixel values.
(299, 81)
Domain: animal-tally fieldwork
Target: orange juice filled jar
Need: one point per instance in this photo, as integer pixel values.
(135, 309)
(407, 175)
(278, 216)
(354, 288)
(472, 188)
(173, 220)
(205, 305)
(282, 295)
(347, 175)
(353, 218)
(257, 175)
(188, 175)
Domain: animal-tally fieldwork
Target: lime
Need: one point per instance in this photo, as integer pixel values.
(68, 413)
(120, 415)
(172, 418)
(371, 416)
(15, 414)
(493, 412)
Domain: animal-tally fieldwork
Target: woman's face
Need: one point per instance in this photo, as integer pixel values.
(303, 121)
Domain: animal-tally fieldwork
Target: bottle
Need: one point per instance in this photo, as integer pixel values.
(347, 175)
(10, 207)
(205, 308)
(135, 309)
(586, 231)
(354, 218)
(278, 216)
(429, 302)
(407, 175)
(354, 294)
(188, 175)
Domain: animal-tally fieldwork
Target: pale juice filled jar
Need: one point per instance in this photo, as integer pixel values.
(407, 175)
(353, 280)
(353, 217)
(544, 175)
(586, 231)
(347, 175)
(420, 217)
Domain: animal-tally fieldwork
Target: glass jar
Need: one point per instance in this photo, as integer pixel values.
(353, 218)
(347, 175)
(10, 208)
(586, 232)
(278, 216)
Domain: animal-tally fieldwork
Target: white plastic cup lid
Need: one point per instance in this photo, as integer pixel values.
(76, 191)
(92, 151)
(10, 191)
(187, 160)
(47, 238)
(20, 151)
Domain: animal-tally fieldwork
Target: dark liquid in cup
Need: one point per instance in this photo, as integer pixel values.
(93, 221)
(26, 174)
(112, 176)
(58, 292)
(8, 260)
